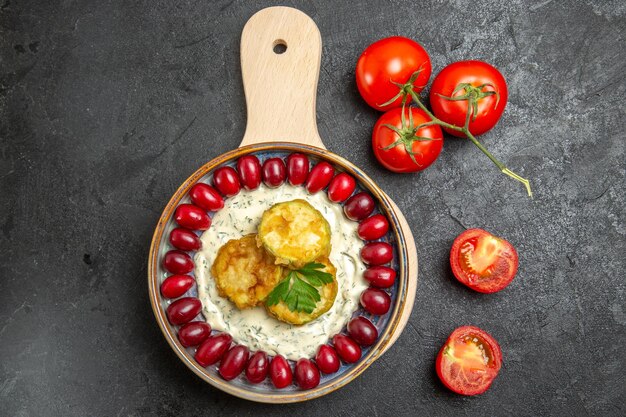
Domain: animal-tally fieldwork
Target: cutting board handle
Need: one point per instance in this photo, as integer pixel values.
(281, 50)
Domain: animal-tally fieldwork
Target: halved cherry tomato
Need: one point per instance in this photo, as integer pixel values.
(297, 168)
(485, 80)
(341, 187)
(184, 239)
(233, 362)
(226, 181)
(362, 331)
(192, 217)
(393, 148)
(274, 172)
(213, 348)
(348, 350)
(183, 310)
(249, 169)
(177, 262)
(469, 361)
(307, 374)
(206, 197)
(257, 367)
(380, 276)
(375, 301)
(359, 206)
(280, 372)
(319, 177)
(387, 61)
(377, 253)
(482, 261)
(176, 285)
(194, 333)
(327, 359)
(373, 227)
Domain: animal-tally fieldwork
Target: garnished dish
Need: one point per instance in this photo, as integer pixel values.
(279, 271)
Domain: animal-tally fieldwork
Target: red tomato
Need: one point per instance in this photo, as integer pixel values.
(176, 285)
(377, 253)
(212, 349)
(398, 158)
(233, 362)
(327, 359)
(482, 261)
(297, 168)
(206, 197)
(375, 301)
(484, 79)
(183, 310)
(177, 262)
(362, 331)
(373, 227)
(469, 361)
(319, 177)
(257, 367)
(249, 169)
(359, 206)
(192, 217)
(390, 60)
(274, 172)
(341, 187)
(348, 350)
(307, 374)
(380, 276)
(194, 333)
(280, 372)
(226, 181)
(184, 239)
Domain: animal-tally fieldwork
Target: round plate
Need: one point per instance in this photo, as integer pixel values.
(265, 391)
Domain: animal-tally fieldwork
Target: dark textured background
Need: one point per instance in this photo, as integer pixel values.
(107, 106)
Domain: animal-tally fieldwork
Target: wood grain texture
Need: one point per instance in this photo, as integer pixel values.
(281, 91)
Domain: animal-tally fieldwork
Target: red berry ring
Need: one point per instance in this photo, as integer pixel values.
(213, 348)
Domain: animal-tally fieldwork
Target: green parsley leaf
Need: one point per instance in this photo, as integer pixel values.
(298, 289)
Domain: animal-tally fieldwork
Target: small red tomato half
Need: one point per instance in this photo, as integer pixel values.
(348, 350)
(405, 149)
(274, 172)
(192, 217)
(177, 262)
(226, 181)
(359, 206)
(184, 239)
(319, 177)
(388, 61)
(362, 331)
(375, 301)
(249, 169)
(297, 168)
(341, 187)
(482, 81)
(280, 372)
(257, 367)
(380, 276)
(212, 349)
(377, 253)
(469, 361)
(327, 359)
(482, 261)
(233, 362)
(176, 285)
(206, 197)
(194, 333)
(307, 374)
(373, 227)
(183, 310)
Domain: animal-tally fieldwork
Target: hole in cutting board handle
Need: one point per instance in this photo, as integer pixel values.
(280, 46)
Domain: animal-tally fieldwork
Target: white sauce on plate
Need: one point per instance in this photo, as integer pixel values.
(253, 327)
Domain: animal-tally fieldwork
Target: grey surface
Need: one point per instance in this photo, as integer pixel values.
(107, 106)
